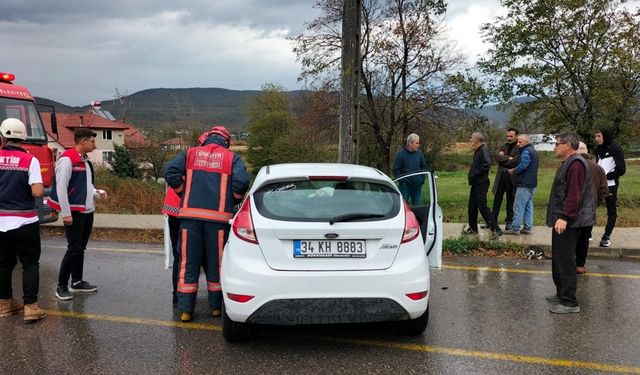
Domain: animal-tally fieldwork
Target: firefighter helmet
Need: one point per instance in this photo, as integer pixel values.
(12, 128)
(217, 130)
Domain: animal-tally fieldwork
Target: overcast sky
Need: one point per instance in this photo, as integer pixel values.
(75, 51)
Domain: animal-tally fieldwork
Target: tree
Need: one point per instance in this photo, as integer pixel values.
(122, 162)
(578, 60)
(152, 158)
(315, 135)
(405, 67)
(269, 120)
(283, 132)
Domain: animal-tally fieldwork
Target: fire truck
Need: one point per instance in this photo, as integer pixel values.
(17, 102)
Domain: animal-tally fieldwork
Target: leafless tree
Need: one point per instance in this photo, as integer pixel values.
(406, 66)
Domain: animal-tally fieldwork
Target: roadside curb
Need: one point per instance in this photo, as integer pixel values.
(626, 241)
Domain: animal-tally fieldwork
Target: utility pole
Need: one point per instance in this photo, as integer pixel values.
(350, 81)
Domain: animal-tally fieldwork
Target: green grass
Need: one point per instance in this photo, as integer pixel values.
(465, 244)
(453, 194)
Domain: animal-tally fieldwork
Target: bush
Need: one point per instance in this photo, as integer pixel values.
(466, 244)
(460, 245)
(128, 195)
(122, 163)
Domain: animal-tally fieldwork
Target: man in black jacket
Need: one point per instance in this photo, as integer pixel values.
(478, 178)
(611, 159)
(503, 183)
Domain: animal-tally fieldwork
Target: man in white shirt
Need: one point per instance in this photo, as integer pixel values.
(20, 184)
(72, 195)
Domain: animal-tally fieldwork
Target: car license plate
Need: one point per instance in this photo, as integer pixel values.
(329, 249)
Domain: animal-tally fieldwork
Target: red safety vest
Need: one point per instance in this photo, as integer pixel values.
(15, 192)
(208, 193)
(171, 205)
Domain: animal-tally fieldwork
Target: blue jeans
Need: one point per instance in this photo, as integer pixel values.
(413, 192)
(523, 208)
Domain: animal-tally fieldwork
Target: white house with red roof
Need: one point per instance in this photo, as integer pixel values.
(109, 132)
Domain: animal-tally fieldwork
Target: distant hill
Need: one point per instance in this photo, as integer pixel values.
(491, 112)
(58, 106)
(201, 107)
(501, 116)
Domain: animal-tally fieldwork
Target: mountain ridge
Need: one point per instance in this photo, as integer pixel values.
(198, 107)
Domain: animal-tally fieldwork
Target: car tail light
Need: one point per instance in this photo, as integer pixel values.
(242, 298)
(417, 296)
(411, 226)
(243, 224)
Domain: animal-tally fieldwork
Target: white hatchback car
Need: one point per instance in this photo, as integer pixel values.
(329, 243)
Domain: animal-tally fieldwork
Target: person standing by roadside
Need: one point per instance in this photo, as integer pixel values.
(73, 196)
(599, 192)
(20, 184)
(210, 179)
(611, 159)
(571, 212)
(503, 183)
(525, 176)
(478, 178)
(171, 208)
(408, 160)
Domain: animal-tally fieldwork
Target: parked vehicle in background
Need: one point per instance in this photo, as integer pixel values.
(17, 102)
(328, 243)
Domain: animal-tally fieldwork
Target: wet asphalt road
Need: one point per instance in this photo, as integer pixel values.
(487, 316)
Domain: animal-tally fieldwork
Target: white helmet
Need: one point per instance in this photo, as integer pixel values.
(12, 128)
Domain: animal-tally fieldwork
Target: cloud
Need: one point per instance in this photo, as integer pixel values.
(464, 23)
(75, 51)
(75, 55)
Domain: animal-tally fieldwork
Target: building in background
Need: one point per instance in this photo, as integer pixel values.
(109, 132)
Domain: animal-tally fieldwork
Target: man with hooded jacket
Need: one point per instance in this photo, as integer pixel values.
(209, 179)
(611, 159)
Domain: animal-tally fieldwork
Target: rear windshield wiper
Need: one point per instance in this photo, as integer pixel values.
(354, 216)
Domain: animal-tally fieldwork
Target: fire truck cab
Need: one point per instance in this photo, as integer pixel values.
(17, 102)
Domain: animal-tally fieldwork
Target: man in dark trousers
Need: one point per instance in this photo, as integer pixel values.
(503, 184)
(210, 179)
(599, 193)
(20, 184)
(571, 213)
(611, 159)
(410, 159)
(73, 196)
(478, 178)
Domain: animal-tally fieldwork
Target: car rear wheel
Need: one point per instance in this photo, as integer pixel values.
(234, 331)
(415, 326)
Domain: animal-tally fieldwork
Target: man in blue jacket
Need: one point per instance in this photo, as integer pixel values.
(209, 179)
(525, 176)
(409, 160)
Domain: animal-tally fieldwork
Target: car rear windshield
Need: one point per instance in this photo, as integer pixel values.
(327, 200)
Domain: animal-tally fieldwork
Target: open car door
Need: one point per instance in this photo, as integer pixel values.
(429, 215)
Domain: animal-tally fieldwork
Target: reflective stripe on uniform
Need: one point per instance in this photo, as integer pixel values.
(204, 214)
(224, 178)
(184, 287)
(187, 192)
(213, 287)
